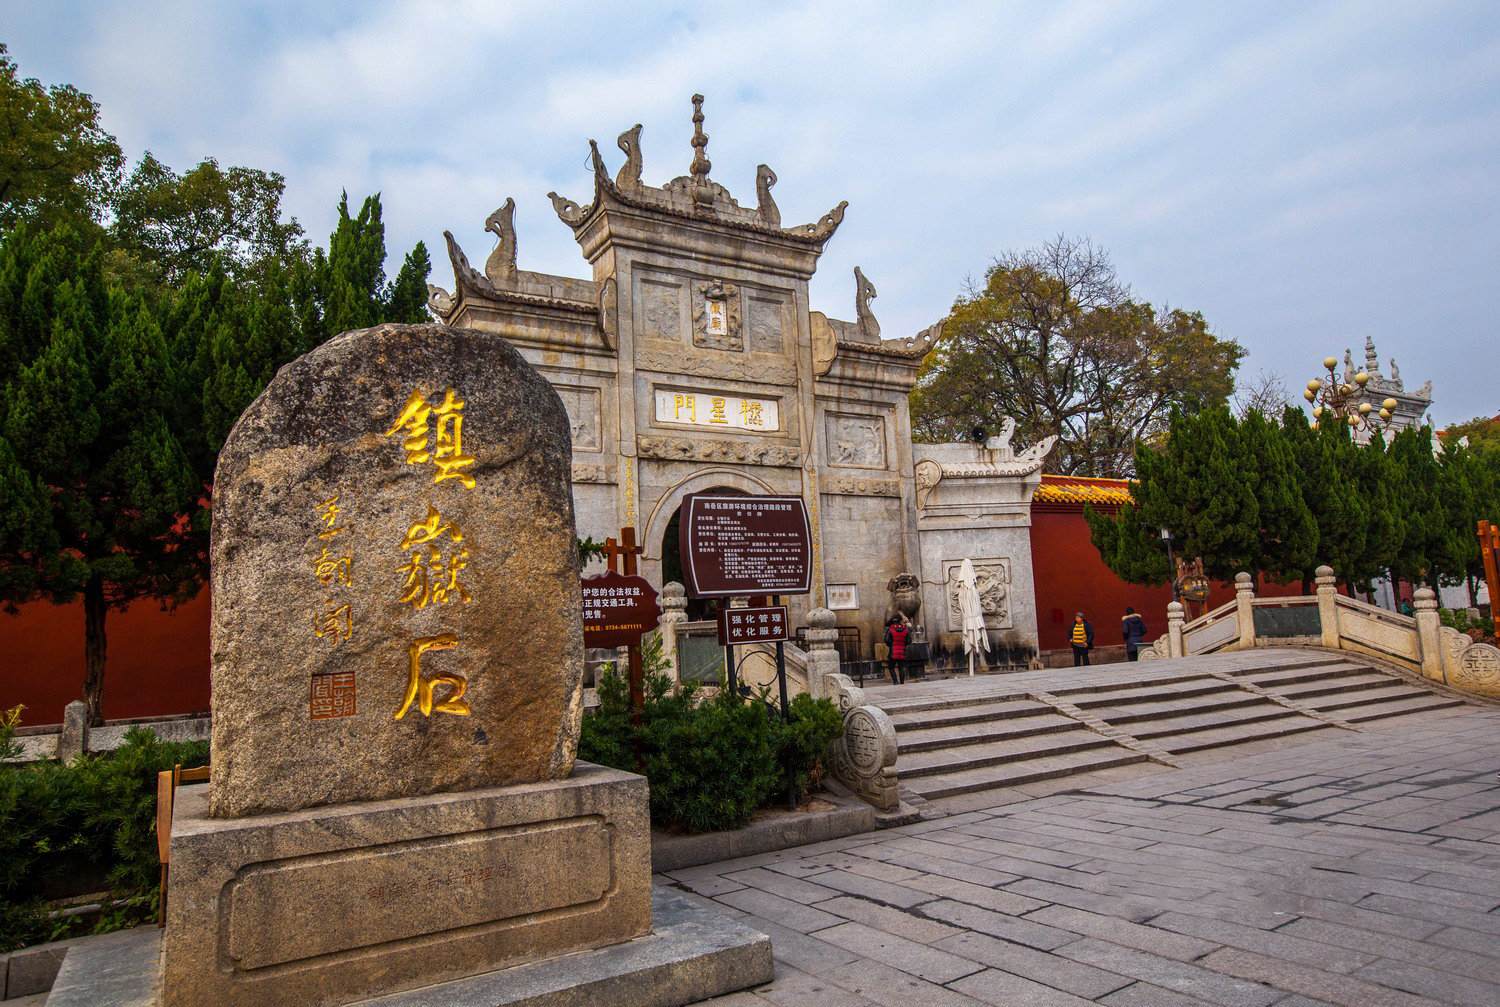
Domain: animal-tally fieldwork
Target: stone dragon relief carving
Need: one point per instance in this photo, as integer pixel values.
(850, 487)
(864, 758)
(992, 577)
(744, 452)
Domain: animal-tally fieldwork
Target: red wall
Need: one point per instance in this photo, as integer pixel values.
(156, 662)
(1070, 577)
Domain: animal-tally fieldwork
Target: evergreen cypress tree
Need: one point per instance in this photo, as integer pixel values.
(351, 278)
(1288, 533)
(1197, 488)
(1415, 475)
(1129, 548)
(87, 432)
(406, 301)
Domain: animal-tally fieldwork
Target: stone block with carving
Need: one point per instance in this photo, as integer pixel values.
(864, 758)
(326, 906)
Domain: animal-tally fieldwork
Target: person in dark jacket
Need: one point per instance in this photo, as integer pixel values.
(1133, 627)
(1082, 639)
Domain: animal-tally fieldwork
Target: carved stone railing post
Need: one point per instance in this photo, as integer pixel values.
(1174, 630)
(1328, 607)
(1428, 637)
(864, 757)
(673, 614)
(822, 658)
(1244, 612)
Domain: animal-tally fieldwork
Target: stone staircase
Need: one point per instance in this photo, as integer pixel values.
(996, 732)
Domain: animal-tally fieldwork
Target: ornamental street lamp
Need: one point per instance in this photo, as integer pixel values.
(1339, 401)
(1166, 536)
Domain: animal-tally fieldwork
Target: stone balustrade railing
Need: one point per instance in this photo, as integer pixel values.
(1419, 642)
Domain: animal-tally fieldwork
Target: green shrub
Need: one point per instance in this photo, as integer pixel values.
(710, 762)
(1457, 618)
(78, 828)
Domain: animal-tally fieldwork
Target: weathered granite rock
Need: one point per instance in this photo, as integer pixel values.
(395, 579)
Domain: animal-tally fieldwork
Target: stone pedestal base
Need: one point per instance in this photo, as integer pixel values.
(327, 906)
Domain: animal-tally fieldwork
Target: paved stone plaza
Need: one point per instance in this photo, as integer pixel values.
(1363, 869)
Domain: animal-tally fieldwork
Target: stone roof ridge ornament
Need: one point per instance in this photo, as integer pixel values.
(500, 268)
(864, 293)
(1372, 359)
(764, 204)
(465, 276)
(826, 225)
(703, 193)
(629, 176)
(568, 211)
(439, 302)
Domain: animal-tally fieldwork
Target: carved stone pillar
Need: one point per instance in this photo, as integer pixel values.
(1174, 630)
(1428, 635)
(822, 658)
(1328, 607)
(1244, 613)
(673, 614)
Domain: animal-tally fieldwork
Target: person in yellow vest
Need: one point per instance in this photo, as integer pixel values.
(1083, 640)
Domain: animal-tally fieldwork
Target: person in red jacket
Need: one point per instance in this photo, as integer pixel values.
(897, 632)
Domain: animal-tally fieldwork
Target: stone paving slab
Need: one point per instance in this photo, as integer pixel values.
(1358, 869)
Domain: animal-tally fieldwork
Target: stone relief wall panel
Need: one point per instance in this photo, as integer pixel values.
(660, 301)
(992, 577)
(768, 323)
(716, 316)
(582, 405)
(855, 441)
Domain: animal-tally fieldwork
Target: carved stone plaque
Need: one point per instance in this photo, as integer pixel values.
(856, 441)
(583, 415)
(1479, 669)
(767, 323)
(660, 309)
(716, 316)
(992, 576)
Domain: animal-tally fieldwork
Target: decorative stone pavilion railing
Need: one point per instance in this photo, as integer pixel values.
(1419, 642)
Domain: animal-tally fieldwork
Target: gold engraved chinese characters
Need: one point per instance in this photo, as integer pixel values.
(445, 450)
(421, 689)
(334, 569)
(432, 576)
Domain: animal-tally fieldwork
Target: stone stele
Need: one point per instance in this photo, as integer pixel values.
(395, 577)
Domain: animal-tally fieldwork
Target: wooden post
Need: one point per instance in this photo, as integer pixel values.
(627, 550)
(1489, 545)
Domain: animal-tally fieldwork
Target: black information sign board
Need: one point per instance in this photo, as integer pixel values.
(752, 625)
(737, 546)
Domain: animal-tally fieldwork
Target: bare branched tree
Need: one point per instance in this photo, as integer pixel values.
(1264, 393)
(1054, 340)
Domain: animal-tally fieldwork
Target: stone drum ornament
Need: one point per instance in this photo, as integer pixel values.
(392, 544)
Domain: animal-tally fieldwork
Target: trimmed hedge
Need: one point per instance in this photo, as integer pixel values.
(84, 827)
(710, 762)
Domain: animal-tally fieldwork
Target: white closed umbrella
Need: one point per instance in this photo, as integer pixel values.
(975, 638)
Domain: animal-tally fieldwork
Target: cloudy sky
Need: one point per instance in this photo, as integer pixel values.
(1305, 174)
